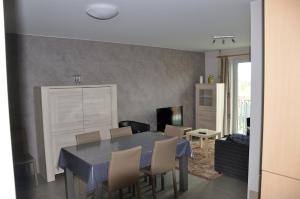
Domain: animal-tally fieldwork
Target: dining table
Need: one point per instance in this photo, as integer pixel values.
(90, 162)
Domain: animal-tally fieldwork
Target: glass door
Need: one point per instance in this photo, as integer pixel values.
(206, 97)
(241, 95)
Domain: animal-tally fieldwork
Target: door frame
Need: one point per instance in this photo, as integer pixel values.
(257, 57)
(5, 141)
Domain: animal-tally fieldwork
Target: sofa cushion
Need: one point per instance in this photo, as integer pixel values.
(239, 138)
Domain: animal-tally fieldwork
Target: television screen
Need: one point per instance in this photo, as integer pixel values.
(170, 115)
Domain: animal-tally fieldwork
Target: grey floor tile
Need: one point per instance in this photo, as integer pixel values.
(223, 187)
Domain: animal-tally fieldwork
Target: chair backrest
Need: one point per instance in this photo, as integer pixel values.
(163, 156)
(124, 168)
(119, 132)
(88, 137)
(174, 131)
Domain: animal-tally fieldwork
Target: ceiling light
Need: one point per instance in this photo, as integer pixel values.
(102, 11)
(223, 38)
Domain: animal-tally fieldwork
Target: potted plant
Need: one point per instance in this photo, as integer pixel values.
(210, 79)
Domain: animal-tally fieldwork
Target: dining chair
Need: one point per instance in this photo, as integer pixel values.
(163, 161)
(20, 157)
(174, 131)
(90, 137)
(119, 132)
(123, 171)
(85, 138)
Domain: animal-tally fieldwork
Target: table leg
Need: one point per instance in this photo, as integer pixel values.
(183, 173)
(201, 143)
(206, 147)
(69, 184)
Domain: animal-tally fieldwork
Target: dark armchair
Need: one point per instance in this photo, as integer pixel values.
(137, 127)
(231, 156)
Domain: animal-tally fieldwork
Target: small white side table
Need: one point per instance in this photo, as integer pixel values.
(203, 135)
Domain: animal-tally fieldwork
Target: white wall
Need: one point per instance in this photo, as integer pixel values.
(256, 96)
(7, 183)
(211, 60)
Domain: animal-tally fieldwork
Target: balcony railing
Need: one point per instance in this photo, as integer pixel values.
(244, 104)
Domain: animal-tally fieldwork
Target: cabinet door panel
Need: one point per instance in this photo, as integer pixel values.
(207, 96)
(65, 109)
(97, 106)
(281, 94)
(207, 119)
(278, 187)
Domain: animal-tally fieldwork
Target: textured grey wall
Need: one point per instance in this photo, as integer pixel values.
(147, 77)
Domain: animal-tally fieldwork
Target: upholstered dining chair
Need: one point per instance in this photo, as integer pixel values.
(90, 137)
(163, 161)
(123, 171)
(85, 138)
(119, 132)
(174, 131)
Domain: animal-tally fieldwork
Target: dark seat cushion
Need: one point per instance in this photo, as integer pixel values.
(239, 138)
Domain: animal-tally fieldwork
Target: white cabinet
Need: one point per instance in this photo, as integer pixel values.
(210, 106)
(66, 111)
(98, 110)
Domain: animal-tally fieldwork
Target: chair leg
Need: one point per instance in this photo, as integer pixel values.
(133, 190)
(35, 173)
(121, 193)
(153, 187)
(174, 183)
(162, 179)
(138, 190)
(109, 195)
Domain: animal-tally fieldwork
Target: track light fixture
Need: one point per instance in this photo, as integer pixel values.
(224, 38)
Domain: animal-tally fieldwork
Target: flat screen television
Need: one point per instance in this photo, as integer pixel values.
(170, 115)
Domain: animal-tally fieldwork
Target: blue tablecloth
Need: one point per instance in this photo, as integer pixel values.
(90, 161)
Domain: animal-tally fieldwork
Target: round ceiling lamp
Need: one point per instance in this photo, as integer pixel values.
(102, 11)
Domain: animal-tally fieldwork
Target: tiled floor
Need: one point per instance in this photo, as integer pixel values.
(222, 188)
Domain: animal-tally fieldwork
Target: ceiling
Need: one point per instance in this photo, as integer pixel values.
(175, 24)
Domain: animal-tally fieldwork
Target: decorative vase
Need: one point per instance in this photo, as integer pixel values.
(201, 80)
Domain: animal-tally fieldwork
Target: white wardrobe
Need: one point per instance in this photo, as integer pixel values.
(65, 111)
